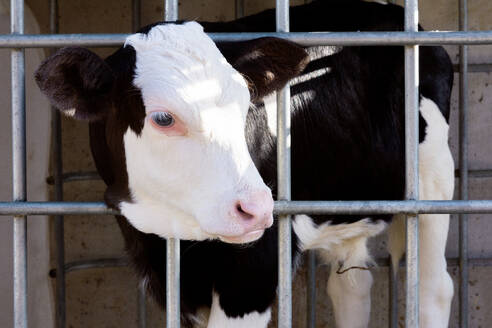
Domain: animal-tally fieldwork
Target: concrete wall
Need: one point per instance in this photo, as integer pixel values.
(40, 297)
(107, 297)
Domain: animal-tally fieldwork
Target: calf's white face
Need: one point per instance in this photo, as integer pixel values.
(190, 174)
(169, 115)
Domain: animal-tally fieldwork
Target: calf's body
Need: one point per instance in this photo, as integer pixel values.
(347, 109)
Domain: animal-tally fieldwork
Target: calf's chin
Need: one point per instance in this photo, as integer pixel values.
(195, 187)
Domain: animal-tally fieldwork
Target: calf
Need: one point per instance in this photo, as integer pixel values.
(181, 132)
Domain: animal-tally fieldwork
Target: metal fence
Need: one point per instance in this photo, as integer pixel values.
(410, 38)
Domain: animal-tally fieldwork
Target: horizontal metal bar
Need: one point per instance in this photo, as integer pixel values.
(475, 173)
(54, 208)
(61, 40)
(93, 175)
(123, 261)
(383, 207)
(451, 261)
(75, 176)
(302, 38)
(281, 207)
(475, 68)
(92, 264)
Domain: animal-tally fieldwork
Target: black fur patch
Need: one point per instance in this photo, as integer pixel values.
(76, 81)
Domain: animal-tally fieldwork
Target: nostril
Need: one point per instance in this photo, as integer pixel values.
(244, 214)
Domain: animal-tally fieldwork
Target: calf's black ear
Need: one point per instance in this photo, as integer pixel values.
(77, 82)
(266, 63)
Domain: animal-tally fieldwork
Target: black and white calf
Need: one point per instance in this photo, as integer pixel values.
(181, 132)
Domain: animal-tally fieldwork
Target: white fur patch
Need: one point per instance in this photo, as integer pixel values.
(327, 236)
(344, 246)
(218, 318)
(381, 2)
(270, 103)
(350, 293)
(200, 318)
(70, 112)
(188, 186)
(436, 165)
(436, 182)
(179, 67)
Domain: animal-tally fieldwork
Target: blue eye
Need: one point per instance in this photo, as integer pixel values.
(163, 119)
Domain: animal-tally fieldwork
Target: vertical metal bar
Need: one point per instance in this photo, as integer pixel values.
(239, 8)
(173, 246)
(59, 223)
(393, 297)
(19, 166)
(463, 159)
(311, 282)
(172, 283)
(142, 308)
(136, 10)
(58, 183)
(141, 292)
(170, 10)
(311, 290)
(411, 162)
(283, 176)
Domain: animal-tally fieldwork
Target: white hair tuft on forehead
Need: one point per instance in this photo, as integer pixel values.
(187, 38)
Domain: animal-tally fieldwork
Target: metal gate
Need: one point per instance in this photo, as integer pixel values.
(411, 207)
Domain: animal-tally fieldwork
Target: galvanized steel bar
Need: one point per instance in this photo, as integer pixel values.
(19, 166)
(281, 207)
(141, 292)
(75, 176)
(393, 296)
(411, 166)
(91, 264)
(170, 10)
(172, 283)
(93, 175)
(58, 219)
(463, 160)
(55, 208)
(302, 38)
(367, 38)
(475, 68)
(239, 8)
(62, 40)
(283, 184)
(60, 303)
(451, 261)
(173, 312)
(311, 290)
(136, 10)
(142, 305)
(96, 264)
(382, 207)
(123, 261)
(475, 173)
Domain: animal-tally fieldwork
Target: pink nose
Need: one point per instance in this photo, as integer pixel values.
(255, 211)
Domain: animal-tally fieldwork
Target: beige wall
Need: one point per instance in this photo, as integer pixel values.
(38, 142)
(107, 297)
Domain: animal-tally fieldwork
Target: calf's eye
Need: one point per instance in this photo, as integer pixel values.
(165, 122)
(162, 119)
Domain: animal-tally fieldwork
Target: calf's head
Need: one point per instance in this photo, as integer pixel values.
(169, 111)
